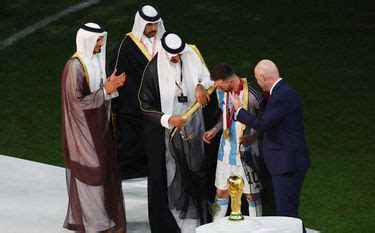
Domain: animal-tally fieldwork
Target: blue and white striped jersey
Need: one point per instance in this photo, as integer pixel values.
(229, 147)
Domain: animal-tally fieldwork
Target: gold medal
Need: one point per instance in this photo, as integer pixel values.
(226, 133)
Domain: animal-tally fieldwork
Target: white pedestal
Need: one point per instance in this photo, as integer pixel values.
(253, 225)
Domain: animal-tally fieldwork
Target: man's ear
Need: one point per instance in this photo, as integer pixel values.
(262, 77)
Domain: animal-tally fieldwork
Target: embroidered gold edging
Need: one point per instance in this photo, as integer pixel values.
(245, 101)
(118, 51)
(140, 46)
(191, 110)
(139, 91)
(196, 50)
(84, 67)
(86, 74)
(196, 106)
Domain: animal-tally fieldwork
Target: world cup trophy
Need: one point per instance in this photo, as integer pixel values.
(235, 189)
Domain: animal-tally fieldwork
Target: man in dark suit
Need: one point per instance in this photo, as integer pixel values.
(284, 144)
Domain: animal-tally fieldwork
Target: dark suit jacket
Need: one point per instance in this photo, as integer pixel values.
(284, 143)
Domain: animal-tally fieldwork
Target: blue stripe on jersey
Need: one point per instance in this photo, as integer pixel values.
(220, 95)
(233, 144)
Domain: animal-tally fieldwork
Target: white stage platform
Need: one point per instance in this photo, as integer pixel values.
(33, 198)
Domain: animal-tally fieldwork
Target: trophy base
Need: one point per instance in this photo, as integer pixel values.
(252, 225)
(224, 225)
(236, 217)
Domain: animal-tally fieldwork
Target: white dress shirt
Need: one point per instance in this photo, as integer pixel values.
(149, 43)
(274, 85)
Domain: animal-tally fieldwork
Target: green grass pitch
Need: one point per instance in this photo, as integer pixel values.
(325, 49)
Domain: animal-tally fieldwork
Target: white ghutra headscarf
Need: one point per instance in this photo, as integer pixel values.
(147, 14)
(86, 39)
(194, 71)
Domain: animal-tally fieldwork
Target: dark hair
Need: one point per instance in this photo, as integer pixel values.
(221, 71)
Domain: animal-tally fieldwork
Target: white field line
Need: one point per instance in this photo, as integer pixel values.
(41, 23)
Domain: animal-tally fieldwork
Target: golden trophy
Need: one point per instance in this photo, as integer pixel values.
(235, 189)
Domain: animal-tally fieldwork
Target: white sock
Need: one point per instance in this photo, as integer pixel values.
(220, 208)
(255, 207)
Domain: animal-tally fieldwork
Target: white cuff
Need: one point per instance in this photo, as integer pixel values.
(110, 96)
(105, 94)
(206, 84)
(235, 115)
(114, 94)
(164, 121)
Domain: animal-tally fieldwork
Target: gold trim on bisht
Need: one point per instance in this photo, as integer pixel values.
(118, 51)
(84, 67)
(196, 106)
(245, 101)
(191, 110)
(85, 71)
(196, 50)
(140, 46)
(139, 92)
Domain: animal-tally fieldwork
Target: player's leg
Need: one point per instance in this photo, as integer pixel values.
(255, 204)
(252, 189)
(222, 196)
(221, 204)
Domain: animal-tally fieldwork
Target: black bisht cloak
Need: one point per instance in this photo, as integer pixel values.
(160, 216)
(131, 57)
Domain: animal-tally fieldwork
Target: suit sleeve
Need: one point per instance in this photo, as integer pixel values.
(276, 111)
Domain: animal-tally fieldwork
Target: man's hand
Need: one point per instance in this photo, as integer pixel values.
(201, 95)
(114, 81)
(235, 99)
(208, 135)
(177, 121)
